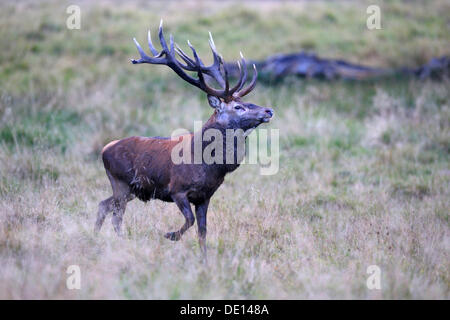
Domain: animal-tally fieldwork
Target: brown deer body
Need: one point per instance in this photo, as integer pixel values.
(142, 167)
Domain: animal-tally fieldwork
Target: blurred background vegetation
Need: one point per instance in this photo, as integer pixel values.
(364, 168)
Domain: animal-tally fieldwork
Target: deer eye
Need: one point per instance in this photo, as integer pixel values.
(238, 107)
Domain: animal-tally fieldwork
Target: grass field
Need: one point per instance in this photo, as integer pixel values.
(364, 166)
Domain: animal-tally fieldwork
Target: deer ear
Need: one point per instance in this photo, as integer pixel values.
(214, 102)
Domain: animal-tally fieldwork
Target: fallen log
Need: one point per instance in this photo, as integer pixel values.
(311, 66)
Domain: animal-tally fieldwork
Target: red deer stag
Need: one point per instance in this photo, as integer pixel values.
(142, 167)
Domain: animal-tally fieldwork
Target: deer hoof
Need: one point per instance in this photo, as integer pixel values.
(174, 236)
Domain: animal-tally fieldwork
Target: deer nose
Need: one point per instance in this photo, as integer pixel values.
(269, 111)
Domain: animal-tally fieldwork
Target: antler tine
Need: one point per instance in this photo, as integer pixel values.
(150, 44)
(227, 84)
(172, 51)
(251, 85)
(186, 58)
(173, 58)
(161, 37)
(244, 69)
(240, 78)
(205, 87)
(157, 59)
(144, 57)
(216, 56)
(194, 52)
(191, 63)
(242, 75)
(212, 70)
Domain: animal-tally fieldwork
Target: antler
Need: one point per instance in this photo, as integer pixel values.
(167, 57)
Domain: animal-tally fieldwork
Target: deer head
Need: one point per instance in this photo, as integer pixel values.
(230, 111)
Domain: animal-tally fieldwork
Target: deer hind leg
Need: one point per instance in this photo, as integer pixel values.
(117, 204)
(104, 207)
(185, 207)
(121, 194)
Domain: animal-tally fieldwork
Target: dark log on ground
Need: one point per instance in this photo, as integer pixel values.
(311, 66)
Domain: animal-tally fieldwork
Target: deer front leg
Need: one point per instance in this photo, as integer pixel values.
(200, 213)
(185, 207)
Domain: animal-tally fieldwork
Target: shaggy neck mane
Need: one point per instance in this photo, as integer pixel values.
(222, 168)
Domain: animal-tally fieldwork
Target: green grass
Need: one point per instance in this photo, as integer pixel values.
(364, 166)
